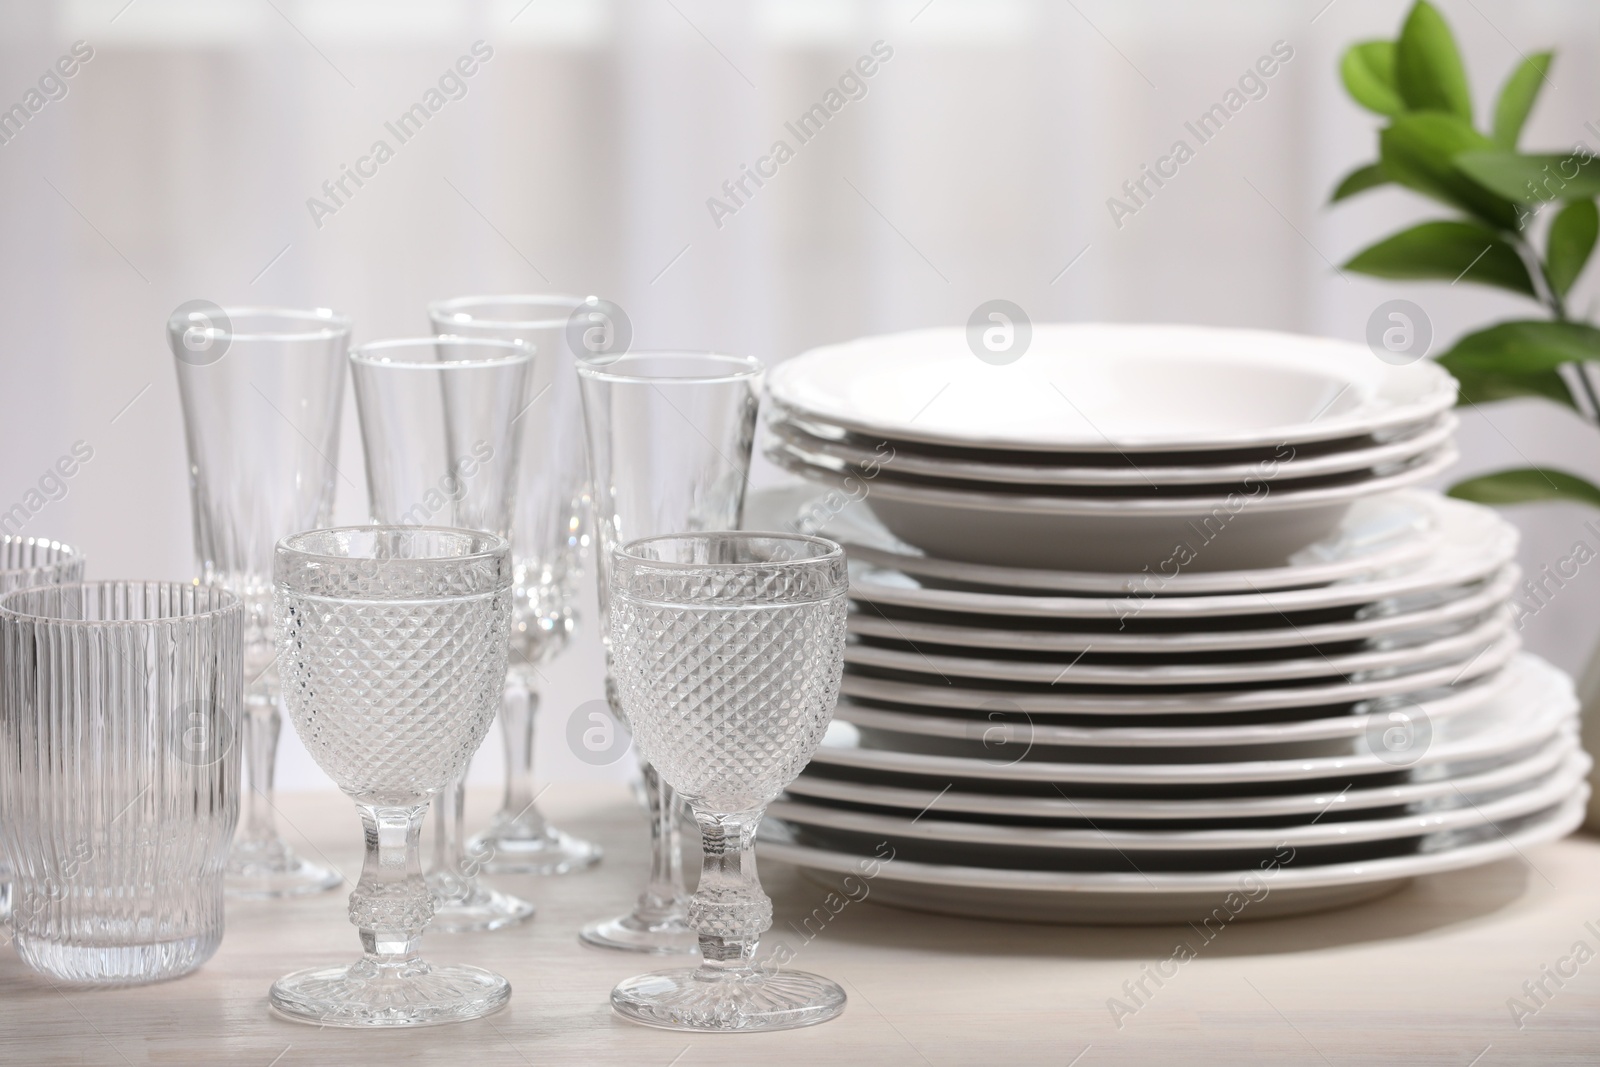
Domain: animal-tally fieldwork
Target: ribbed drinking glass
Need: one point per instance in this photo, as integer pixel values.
(119, 706)
(669, 452)
(727, 650)
(441, 426)
(262, 389)
(547, 543)
(26, 562)
(392, 644)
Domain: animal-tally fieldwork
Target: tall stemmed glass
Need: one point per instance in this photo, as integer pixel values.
(393, 652)
(441, 427)
(26, 563)
(728, 650)
(547, 544)
(669, 451)
(262, 389)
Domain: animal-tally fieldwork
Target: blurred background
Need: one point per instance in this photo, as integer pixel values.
(975, 163)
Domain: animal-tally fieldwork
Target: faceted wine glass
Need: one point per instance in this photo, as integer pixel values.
(547, 543)
(441, 426)
(262, 389)
(669, 451)
(392, 643)
(728, 650)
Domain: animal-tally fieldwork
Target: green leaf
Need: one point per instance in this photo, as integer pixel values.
(1571, 240)
(1517, 97)
(1534, 179)
(1359, 181)
(1427, 66)
(1419, 151)
(1447, 251)
(1520, 359)
(1368, 72)
(1526, 485)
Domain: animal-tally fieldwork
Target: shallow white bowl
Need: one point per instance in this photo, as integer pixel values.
(1109, 388)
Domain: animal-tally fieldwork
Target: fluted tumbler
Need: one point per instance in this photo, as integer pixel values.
(120, 706)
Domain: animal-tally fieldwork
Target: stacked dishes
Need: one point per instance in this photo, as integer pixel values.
(1067, 708)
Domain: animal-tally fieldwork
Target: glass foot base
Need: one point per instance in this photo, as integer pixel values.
(630, 933)
(715, 1001)
(263, 870)
(512, 849)
(366, 994)
(464, 907)
(125, 964)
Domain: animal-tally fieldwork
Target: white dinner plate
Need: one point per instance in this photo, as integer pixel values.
(1508, 723)
(1376, 533)
(1536, 796)
(1157, 897)
(1459, 607)
(1474, 543)
(860, 456)
(1061, 700)
(1108, 388)
(1398, 658)
(865, 455)
(1425, 794)
(1437, 706)
(1233, 531)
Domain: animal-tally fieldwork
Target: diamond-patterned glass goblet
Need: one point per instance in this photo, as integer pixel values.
(392, 650)
(727, 651)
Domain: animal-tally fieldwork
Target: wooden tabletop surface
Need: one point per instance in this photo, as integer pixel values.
(1432, 974)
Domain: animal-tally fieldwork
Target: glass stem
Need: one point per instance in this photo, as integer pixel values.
(518, 707)
(262, 722)
(391, 904)
(729, 910)
(663, 896)
(449, 847)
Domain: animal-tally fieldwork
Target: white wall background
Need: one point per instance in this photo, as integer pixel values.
(977, 166)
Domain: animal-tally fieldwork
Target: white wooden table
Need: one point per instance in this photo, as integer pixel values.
(1423, 976)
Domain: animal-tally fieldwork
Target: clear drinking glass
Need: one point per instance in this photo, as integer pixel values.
(727, 651)
(441, 426)
(262, 389)
(26, 562)
(392, 644)
(119, 704)
(669, 452)
(547, 543)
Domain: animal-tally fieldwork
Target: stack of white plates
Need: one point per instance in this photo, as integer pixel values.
(1317, 721)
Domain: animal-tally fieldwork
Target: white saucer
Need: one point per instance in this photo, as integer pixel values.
(1063, 701)
(1396, 657)
(1426, 793)
(1156, 897)
(1536, 796)
(1474, 542)
(1458, 607)
(1437, 705)
(1517, 719)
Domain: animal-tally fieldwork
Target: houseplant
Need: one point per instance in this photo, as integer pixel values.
(1525, 222)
